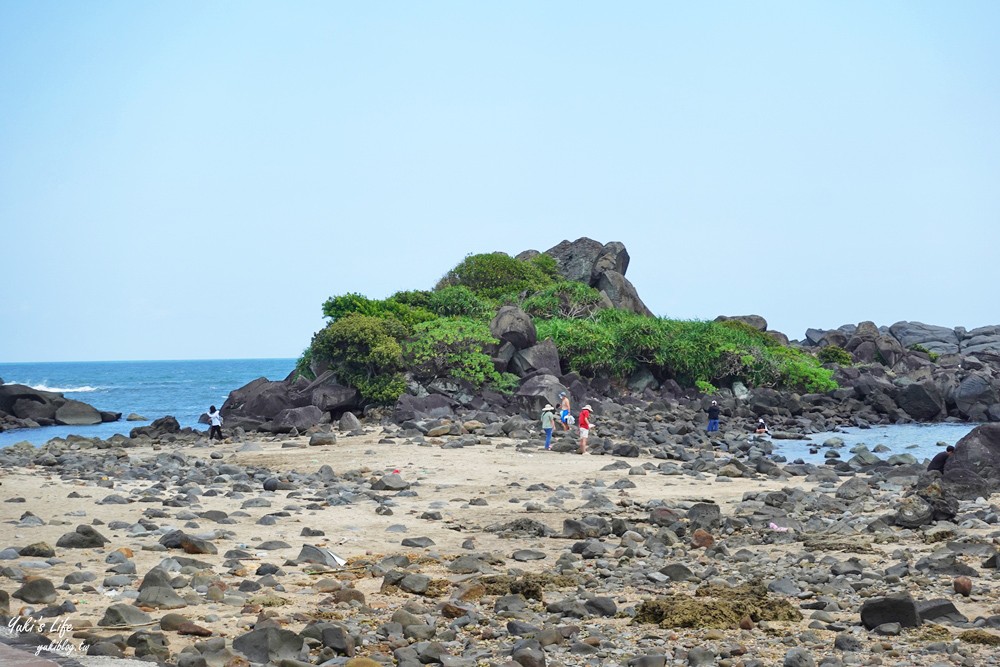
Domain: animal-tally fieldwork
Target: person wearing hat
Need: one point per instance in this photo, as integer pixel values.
(548, 422)
(564, 416)
(713, 417)
(584, 427)
(761, 427)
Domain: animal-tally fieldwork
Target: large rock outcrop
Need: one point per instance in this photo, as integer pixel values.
(602, 266)
(293, 402)
(24, 407)
(933, 372)
(979, 452)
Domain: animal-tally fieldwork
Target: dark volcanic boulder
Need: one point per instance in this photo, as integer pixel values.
(983, 339)
(576, 259)
(766, 401)
(922, 401)
(26, 408)
(159, 428)
(935, 339)
(84, 537)
(270, 644)
(537, 391)
(261, 399)
(299, 419)
(963, 484)
(334, 397)
(892, 609)
(542, 357)
(513, 325)
(422, 407)
(822, 337)
(12, 393)
(622, 293)
(974, 396)
(979, 451)
(614, 257)
(77, 413)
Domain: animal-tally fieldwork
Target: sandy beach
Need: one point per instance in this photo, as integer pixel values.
(454, 497)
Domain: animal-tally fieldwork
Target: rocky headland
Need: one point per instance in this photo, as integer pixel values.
(26, 407)
(432, 528)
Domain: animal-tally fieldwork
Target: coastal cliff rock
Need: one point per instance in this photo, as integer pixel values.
(24, 407)
(294, 402)
(979, 452)
(929, 372)
(602, 266)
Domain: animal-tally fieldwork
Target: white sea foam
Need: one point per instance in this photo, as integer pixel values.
(65, 390)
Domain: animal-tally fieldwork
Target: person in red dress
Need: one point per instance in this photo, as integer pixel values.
(584, 427)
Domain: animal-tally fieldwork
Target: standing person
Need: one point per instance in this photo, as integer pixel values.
(937, 463)
(584, 427)
(548, 422)
(215, 419)
(564, 410)
(713, 417)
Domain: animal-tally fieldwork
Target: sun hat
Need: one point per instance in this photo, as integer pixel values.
(547, 407)
(587, 407)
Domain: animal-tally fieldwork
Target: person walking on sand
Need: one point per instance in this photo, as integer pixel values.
(215, 419)
(564, 416)
(713, 417)
(548, 423)
(584, 427)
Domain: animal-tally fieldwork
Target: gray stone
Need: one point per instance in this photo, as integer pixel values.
(322, 439)
(36, 591)
(122, 615)
(159, 597)
(899, 609)
(85, 537)
(513, 325)
(270, 644)
(76, 413)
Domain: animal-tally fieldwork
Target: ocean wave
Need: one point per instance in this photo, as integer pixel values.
(65, 390)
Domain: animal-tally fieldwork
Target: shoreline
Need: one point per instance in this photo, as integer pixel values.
(453, 489)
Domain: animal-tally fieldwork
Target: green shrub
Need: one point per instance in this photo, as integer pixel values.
(705, 387)
(546, 264)
(338, 307)
(496, 275)
(303, 367)
(917, 347)
(452, 347)
(419, 298)
(803, 371)
(459, 301)
(364, 351)
(834, 354)
(567, 298)
(614, 343)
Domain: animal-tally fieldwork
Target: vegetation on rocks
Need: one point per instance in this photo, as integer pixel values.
(834, 354)
(364, 351)
(444, 333)
(453, 348)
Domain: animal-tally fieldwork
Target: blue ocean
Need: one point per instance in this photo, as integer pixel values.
(153, 389)
(185, 390)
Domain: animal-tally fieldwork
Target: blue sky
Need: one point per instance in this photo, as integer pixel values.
(193, 180)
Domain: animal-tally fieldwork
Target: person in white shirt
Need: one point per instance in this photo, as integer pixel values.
(215, 418)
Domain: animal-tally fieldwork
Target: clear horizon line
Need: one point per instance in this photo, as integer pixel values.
(134, 361)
